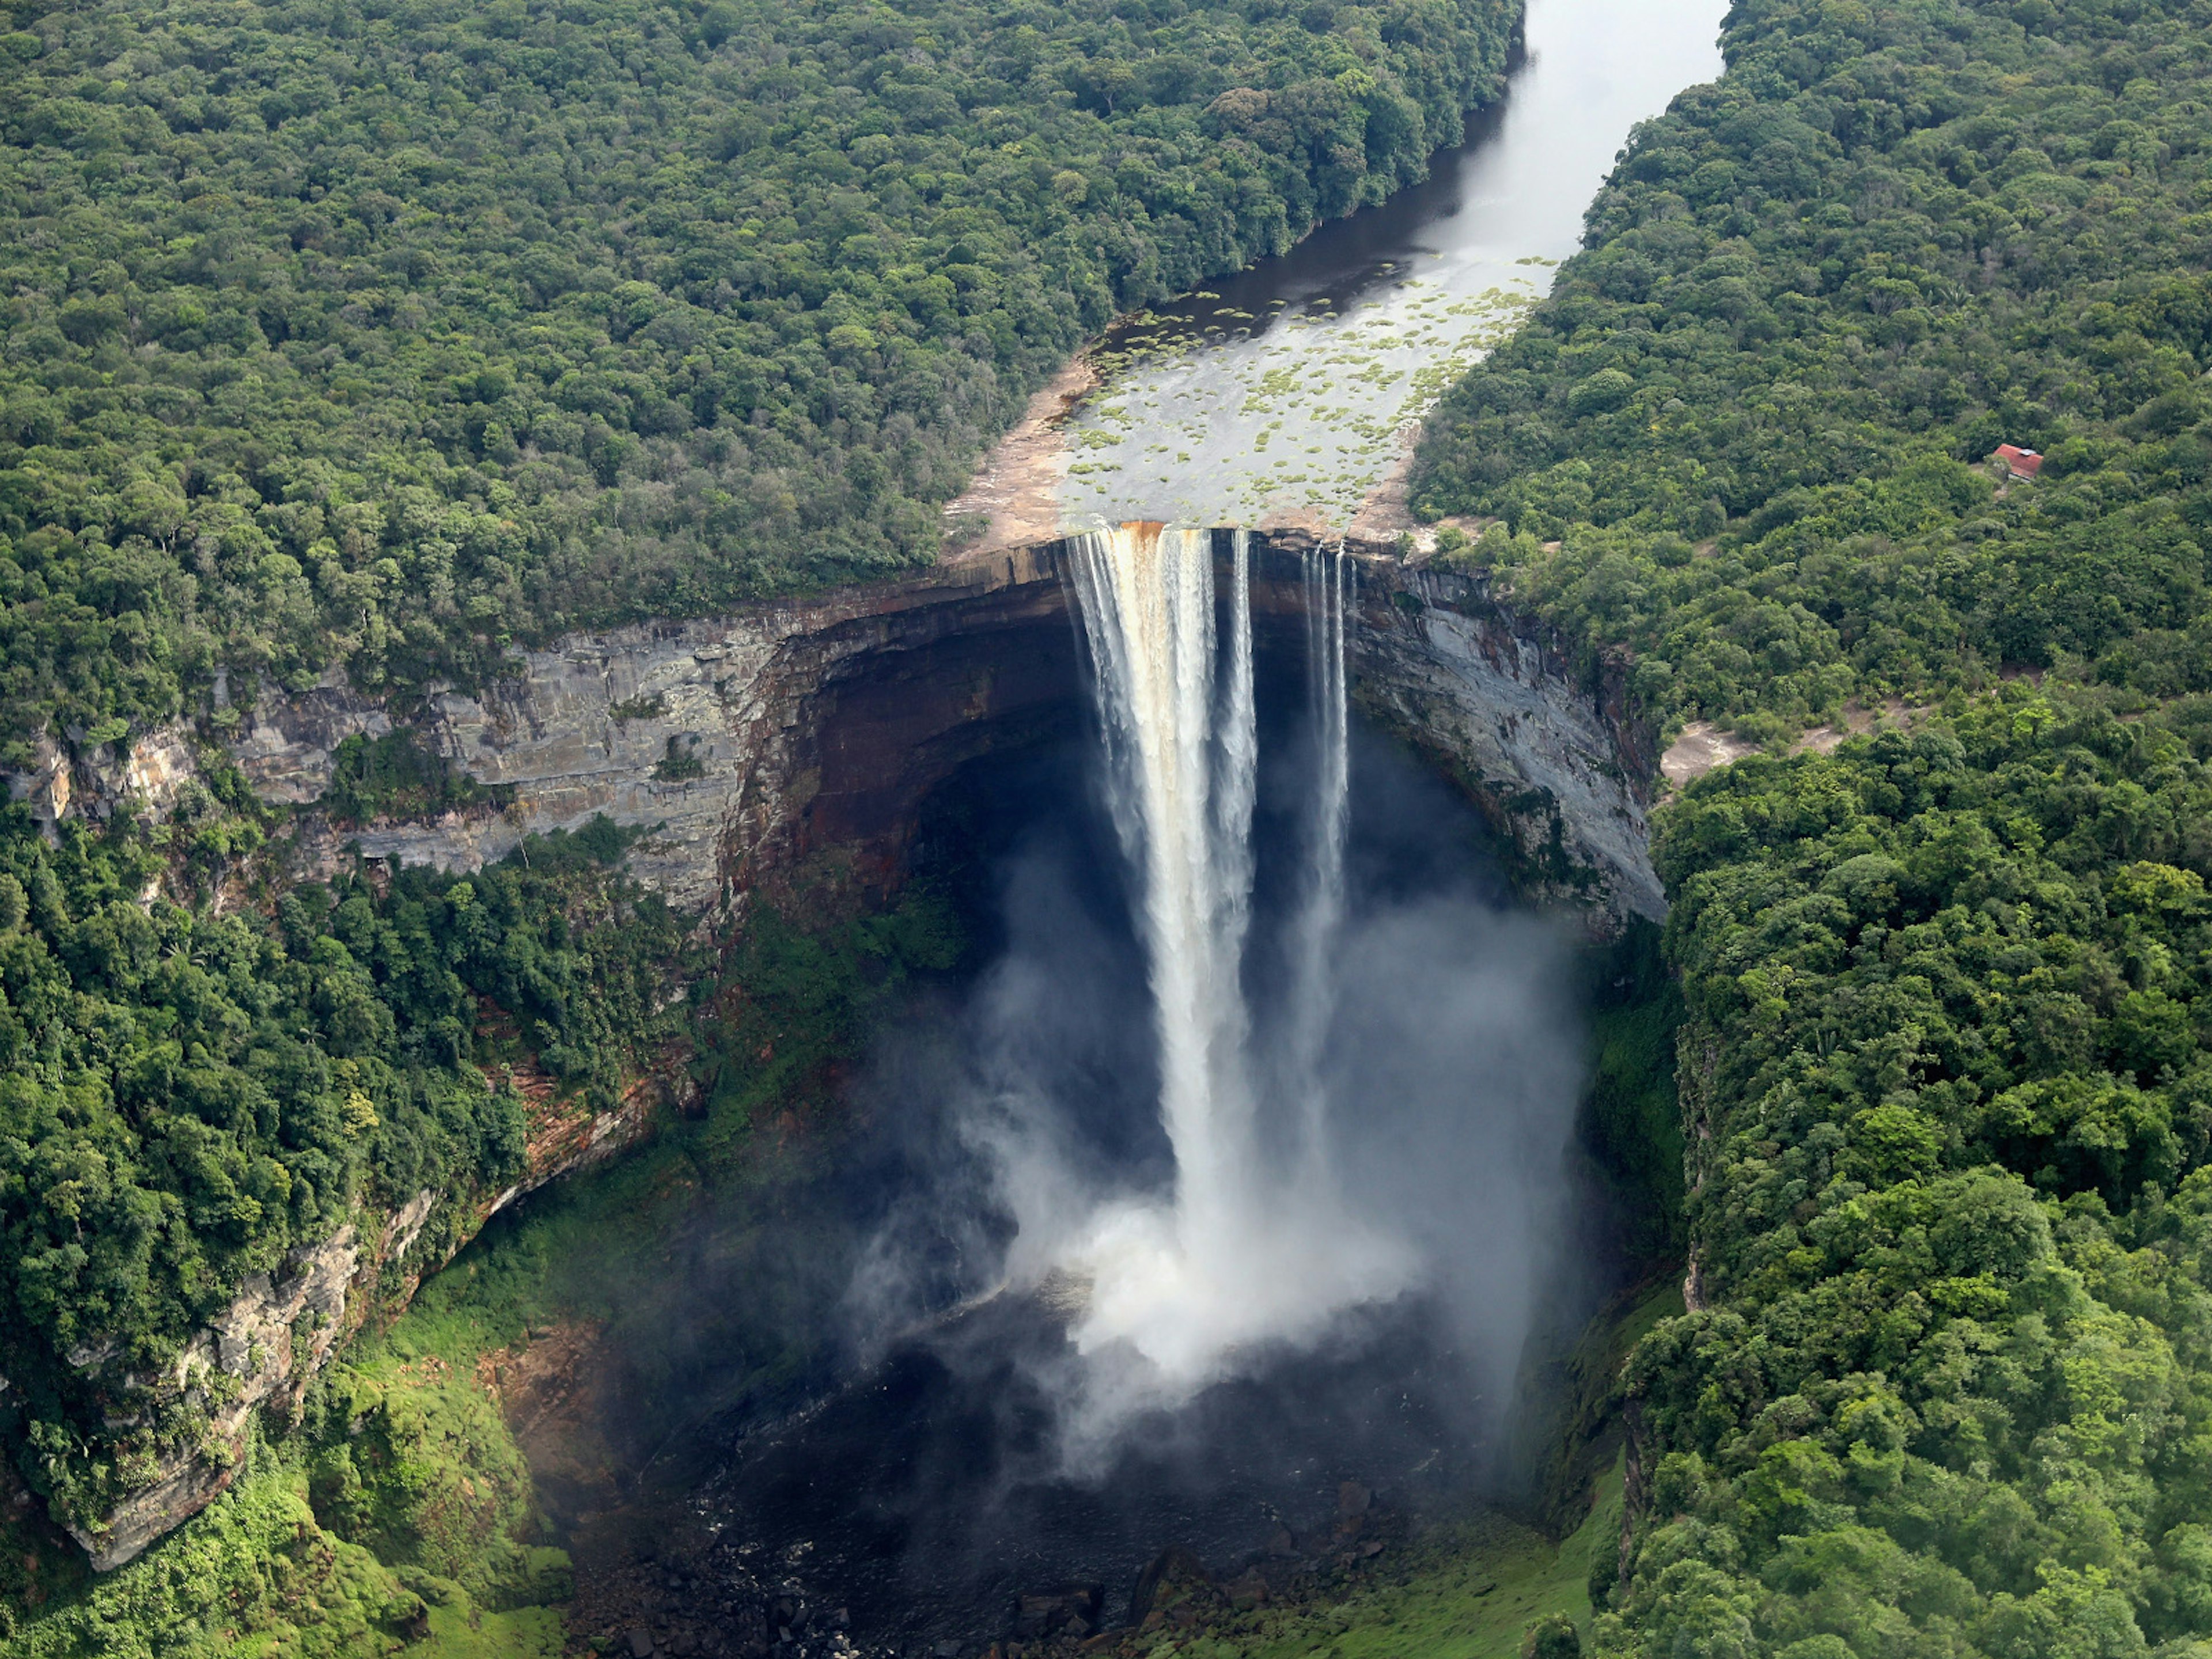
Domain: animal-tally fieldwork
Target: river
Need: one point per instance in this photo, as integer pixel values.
(1289, 395)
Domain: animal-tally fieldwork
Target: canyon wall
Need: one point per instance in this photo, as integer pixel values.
(740, 743)
(733, 742)
(1552, 753)
(262, 1350)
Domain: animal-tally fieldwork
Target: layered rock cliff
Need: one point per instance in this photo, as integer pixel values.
(737, 742)
(732, 740)
(1553, 754)
(263, 1348)
(259, 1351)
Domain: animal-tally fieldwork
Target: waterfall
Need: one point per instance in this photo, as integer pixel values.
(1252, 1245)
(1328, 580)
(1182, 756)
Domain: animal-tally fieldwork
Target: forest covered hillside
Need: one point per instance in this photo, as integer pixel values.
(388, 335)
(1946, 1385)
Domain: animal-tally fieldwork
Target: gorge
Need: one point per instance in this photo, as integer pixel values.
(1134, 1259)
(820, 732)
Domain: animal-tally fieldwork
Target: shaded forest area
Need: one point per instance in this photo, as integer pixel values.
(391, 334)
(1946, 1386)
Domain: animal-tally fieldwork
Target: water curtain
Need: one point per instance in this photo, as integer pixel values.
(1252, 1244)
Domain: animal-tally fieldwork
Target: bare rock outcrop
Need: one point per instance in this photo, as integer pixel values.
(260, 1350)
(704, 734)
(1557, 760)
(150, 771)
(739, 741)
(286, 745)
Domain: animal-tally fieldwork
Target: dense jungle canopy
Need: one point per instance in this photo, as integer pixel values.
(1947, 1073)
(392, 337)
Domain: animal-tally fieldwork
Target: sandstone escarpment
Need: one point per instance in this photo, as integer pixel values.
(1557, 760)
(730, 740)
(1551, 753)
(259, 1351)
(739, 743)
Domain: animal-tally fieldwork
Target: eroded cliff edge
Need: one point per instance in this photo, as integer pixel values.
(742, 744)
(733, 742)
(739, 743)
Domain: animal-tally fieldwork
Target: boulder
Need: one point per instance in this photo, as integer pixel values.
(1072, 1609)
(1173, 1579)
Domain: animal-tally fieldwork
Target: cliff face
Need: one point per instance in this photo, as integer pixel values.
(260, 1351)
(1556, 760)
(279, 1330)
(735, 741)
(747, 743)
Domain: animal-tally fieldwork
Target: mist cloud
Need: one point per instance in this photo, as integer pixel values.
(1430, 1166)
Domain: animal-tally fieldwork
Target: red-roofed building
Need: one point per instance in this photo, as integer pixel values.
(2021, 463)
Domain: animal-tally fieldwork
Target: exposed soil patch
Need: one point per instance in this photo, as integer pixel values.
(1857, 722)
(1701, 748)
(556, 1389)
(1018, 490)
(1704, 746)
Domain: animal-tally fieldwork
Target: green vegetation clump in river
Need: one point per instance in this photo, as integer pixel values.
(389, 334)
(1946, 1073)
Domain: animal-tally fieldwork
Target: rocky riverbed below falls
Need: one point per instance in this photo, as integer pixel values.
(924, 1507)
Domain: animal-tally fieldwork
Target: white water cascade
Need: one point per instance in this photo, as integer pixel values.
(1254, 1245)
